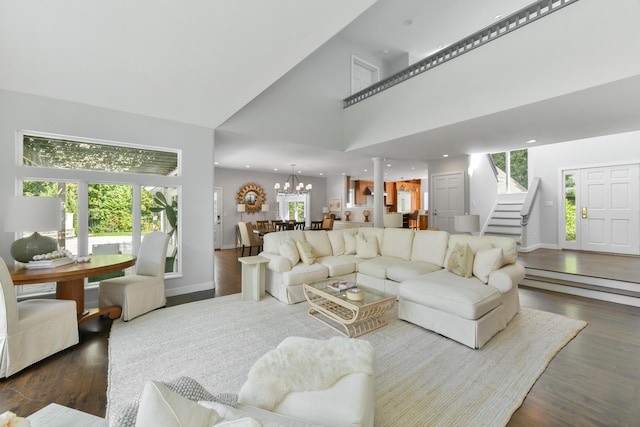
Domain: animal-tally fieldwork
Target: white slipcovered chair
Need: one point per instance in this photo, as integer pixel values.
(33, 329)
(142, 291)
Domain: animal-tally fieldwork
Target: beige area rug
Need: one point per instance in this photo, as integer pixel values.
(422, 379)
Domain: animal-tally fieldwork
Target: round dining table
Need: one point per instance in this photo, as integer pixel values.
(69, 280)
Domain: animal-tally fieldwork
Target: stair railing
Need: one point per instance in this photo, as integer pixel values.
(528, 201)
(512, 22)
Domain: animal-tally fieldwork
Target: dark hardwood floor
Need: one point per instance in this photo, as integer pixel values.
(593, 381)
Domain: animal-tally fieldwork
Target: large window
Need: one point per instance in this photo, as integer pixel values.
(512, 171)
(112, 193)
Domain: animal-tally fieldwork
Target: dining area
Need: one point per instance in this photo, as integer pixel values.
(250, 235)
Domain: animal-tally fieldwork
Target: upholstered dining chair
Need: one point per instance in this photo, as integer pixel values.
(249, 238)
(327, 224)
(142, 291)
(33, 329)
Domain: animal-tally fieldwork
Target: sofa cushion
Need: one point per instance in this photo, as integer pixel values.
(461, 260)
(377, 267)
(303, 273)
(277, 262)
(289, 250)
(368, 232)
(271, 241)
(430, 246)
(338, 265)
(485, 262)
(305, 249)
(319, 241)
(349, 244)
(475, 243)
(397, 242)
(336, 238)
(444, 291)
(409, 269)
(366, 247)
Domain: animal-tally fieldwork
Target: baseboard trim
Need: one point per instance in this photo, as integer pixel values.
(190, 289)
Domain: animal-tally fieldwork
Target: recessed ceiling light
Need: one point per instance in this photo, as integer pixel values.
(247, 166)
(275, 169)
(413, 167)
(216, 163)
(531, 141)
(408, 22)
(344, 173)
(321, 174)
(498, 16)
(388, 165)
(445, 155)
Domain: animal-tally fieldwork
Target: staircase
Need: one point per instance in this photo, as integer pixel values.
(511, 212)
(506, 218)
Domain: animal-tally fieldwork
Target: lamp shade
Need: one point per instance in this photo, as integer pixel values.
(265, 207)
(466, 223)
(325, 209)
(30, 213)
(241, 207)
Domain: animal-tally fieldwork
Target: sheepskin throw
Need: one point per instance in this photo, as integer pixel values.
(307, 365)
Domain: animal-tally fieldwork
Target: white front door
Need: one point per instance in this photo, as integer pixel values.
(217, 218)
(448, 200)
(609, 209)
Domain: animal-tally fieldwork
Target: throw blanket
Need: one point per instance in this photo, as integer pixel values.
(307, 365)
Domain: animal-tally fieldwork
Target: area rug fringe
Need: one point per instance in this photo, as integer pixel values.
(422, 379)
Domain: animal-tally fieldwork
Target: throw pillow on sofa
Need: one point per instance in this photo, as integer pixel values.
(487, 261)
(461, 260)
(306, 252)
(289, 250)
(366, 248)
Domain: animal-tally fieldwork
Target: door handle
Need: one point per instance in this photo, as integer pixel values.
(584, 212)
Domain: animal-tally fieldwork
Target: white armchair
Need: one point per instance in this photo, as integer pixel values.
(33, 329)
(143, 291)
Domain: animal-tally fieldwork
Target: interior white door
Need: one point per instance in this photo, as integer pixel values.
(217, 217)
(363, 74)
(448, 199)
(610, 209)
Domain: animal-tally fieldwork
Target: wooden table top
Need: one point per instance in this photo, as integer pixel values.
(99, 264)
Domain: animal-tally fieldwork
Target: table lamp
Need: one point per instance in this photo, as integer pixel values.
(265, 208)
(466, 223)
(37, 214)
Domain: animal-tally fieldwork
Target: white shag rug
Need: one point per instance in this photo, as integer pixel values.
(422, 379)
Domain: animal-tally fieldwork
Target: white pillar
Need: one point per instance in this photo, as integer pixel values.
(378, 190)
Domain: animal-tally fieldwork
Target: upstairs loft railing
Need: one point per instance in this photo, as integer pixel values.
(512, 22)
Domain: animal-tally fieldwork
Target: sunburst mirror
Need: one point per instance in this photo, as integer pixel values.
(252, 195)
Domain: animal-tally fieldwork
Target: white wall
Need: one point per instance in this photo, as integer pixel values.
(584, 45)
(548, 161)
(483, 187)
(33, 113)
(231, 180)
(305, 106)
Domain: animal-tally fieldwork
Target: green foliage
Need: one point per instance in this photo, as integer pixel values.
(519, 165)
(110, 208)
(170, 210)
(570, 219)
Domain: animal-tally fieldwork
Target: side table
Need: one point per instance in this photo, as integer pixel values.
(54, 415)
(253, 276)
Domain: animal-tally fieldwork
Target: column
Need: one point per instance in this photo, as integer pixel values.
(378, 190)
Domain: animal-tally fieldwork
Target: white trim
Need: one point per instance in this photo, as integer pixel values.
(182, 290)
(587, 293)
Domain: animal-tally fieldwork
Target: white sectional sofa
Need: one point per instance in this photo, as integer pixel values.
(414, 266)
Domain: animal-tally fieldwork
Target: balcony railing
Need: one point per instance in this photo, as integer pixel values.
(512, 22)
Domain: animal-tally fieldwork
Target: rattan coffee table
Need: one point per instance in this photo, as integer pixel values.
(350, 318)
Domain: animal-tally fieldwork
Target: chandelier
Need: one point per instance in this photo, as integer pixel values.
(292, 185)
